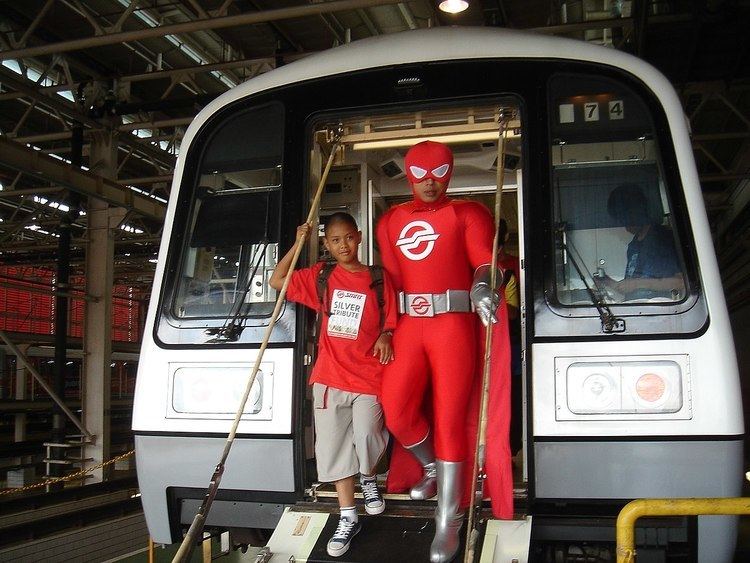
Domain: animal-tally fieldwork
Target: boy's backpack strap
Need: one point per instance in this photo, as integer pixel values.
(321, 284)
(376, 273)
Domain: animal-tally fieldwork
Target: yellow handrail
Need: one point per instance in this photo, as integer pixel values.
(669, 507)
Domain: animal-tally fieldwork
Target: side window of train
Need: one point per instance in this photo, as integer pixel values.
(615, 237)
(233, 231)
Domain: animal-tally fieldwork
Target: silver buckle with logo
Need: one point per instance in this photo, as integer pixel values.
(420, 305)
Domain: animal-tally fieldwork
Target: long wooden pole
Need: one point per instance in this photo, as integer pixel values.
(196, 528)
(479, 455)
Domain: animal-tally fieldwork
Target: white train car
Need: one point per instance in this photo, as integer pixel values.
(630, 392)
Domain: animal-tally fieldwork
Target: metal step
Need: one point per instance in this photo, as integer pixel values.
(70, 442)
(78, 439)
(67, 460)
(327, 490)
(302, 536)
(507, 540)
(61, 445)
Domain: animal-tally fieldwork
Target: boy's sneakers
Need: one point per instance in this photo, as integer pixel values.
(342, 537)
(374, 503)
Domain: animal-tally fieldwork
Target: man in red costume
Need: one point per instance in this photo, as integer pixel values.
(438, 253)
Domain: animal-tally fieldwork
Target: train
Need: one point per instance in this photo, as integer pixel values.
(630, 382)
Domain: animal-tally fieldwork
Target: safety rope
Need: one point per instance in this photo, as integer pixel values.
(72, 477)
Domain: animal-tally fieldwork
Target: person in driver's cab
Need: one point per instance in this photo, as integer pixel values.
(653, 266)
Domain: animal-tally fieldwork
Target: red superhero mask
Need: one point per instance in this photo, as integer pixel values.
(429, 159)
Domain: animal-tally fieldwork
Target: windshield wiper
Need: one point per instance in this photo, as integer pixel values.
(610, 323)
(232, 328)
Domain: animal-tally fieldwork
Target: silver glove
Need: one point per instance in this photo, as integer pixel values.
(484, 299)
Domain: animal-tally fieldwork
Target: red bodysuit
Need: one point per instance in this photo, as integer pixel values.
(431, 249)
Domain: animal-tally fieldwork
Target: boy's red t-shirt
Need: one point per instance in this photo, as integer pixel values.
(347, 336)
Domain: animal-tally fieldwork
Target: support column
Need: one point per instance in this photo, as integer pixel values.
(3, 375)
(20, 418)
(21, 395)
(59, 420)
(97, 336)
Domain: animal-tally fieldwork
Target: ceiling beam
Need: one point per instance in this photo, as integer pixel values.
(144, 180)
(708, 178)
(57, 103)
(265, 16)
(26, 246)
(158, 124)
(127, 127)
(613, 23)
(36, 164)
(166, 74)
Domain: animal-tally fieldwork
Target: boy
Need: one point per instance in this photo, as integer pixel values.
(352, 350)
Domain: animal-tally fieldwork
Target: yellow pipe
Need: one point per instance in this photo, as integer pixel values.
(669, 507)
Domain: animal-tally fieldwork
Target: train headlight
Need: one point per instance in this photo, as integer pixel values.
(600, 391)
(216, 390)
(623, 387)
(593, 388)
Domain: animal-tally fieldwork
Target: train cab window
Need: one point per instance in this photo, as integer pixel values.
(615, 240)
(232, 243)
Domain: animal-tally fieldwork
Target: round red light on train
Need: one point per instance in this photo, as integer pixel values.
(650, 387)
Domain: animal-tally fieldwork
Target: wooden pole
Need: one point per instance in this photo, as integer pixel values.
(479, 455)
(194, 532)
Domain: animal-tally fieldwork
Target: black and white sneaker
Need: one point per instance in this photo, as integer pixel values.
(374, 503)
(342, 537)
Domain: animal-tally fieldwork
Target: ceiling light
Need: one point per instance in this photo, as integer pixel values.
(453, 6)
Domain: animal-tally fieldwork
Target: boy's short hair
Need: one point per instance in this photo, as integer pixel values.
(339, 217)
(627, 204)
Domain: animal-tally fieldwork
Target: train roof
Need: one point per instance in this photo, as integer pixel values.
(437, 44)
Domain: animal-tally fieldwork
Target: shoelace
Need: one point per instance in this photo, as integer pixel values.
(343, 530)
(370, 491)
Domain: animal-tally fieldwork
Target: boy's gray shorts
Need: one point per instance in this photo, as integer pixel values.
(350, 434)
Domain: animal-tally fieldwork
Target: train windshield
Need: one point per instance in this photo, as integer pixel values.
(233, 233)
(615, 241)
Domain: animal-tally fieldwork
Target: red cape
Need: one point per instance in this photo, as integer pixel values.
(405, 471)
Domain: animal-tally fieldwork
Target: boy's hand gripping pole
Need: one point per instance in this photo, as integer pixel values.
(196, 527)
(478, 475)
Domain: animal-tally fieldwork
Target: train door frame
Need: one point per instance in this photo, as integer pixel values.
(366, 220)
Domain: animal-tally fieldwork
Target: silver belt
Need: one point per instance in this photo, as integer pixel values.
(431, 304)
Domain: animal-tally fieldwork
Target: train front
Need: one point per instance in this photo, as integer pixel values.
(209, 311)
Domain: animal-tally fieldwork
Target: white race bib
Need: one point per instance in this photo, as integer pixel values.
(347, 308)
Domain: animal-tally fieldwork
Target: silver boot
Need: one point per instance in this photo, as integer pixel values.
(448, 516)
(427, 487)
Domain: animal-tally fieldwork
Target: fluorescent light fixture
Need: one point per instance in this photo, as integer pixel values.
(450, 139)
(453, 6)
